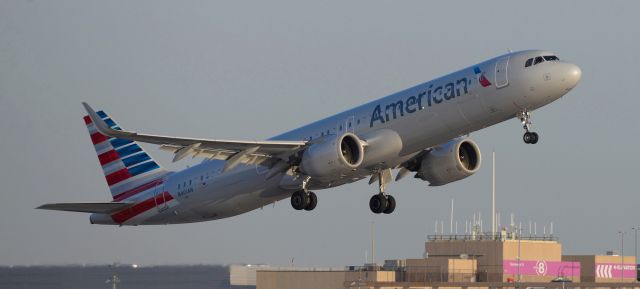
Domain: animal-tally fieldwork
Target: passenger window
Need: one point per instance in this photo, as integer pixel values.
(538, 60)
(528, 63)
(551, 58)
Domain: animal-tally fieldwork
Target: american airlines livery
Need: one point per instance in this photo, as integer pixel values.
(418, 130)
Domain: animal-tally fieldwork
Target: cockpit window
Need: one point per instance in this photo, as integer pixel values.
(538, 60)
(528, 63)
(551, 58)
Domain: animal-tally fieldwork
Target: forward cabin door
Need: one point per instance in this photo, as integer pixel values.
(502, 67)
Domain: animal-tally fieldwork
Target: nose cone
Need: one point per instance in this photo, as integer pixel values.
(572, 75)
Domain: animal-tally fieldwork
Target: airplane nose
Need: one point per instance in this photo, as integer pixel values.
(572, 75)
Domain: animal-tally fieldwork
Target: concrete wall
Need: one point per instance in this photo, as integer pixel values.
(592, 269)
(488, 254)
(300, 279)
(532, 250)
(436, 269)
(318, 279)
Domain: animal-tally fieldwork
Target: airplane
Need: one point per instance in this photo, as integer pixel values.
(423, 130)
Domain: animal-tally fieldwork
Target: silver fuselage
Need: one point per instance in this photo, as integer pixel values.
(422, 116)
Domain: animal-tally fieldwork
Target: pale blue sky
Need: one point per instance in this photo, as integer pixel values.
(251, 70)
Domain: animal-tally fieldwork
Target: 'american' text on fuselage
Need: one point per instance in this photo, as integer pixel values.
(414, 103)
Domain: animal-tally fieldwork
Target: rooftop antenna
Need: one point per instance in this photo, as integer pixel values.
(436, 227)
(373, 246)
(551, 229)
(451, 219)
(535, 228)
(493, 197)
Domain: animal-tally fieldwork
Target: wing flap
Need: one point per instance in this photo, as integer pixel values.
(101, 208)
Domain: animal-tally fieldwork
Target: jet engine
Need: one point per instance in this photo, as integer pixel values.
(333, 155)
(450, 162)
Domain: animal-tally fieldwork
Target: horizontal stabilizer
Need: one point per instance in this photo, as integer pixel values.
(101, 208)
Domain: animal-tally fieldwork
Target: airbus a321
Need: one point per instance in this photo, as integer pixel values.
(421, 130)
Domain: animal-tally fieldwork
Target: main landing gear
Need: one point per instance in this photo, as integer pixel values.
(381, 202)
(525, 119)
(304, 199)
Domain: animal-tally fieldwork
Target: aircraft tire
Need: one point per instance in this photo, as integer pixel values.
(378, 203)
(391, 205)
(313, 201)
(527, 137)
(534, 138)
(299, 200)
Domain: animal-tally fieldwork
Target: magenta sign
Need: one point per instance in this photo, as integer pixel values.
(541, 268)
(611, 270)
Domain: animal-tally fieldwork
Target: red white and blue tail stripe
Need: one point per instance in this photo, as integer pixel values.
(127, 168)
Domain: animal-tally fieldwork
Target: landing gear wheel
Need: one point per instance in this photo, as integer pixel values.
(391, 205)
(527, 137)
(299, 200)
(530, 137)
(378, 203)
(313, 201)
(534, 138)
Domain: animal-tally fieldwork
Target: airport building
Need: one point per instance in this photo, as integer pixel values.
(464, 261)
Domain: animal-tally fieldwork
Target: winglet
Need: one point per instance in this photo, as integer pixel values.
(103, 127)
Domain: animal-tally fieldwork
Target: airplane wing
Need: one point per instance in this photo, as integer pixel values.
(102, 208)
(234, 152)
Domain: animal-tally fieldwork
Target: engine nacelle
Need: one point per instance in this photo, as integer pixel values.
(450, 162)
(335, 155)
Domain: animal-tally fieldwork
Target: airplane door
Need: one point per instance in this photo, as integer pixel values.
(347, 126)
(502, 66)
(351, 124)
(159, 197)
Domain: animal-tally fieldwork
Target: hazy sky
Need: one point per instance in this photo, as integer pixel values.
(251, 70)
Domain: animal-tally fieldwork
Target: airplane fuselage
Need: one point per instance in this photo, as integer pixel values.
(414, 119)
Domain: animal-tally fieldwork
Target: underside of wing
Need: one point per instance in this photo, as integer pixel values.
(102, 208)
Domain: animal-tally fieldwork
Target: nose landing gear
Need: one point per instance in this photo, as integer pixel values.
(529, 137)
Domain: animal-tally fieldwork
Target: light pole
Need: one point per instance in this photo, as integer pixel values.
(636, 250)
(621, 254)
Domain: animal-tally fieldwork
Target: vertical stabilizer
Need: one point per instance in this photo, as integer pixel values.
(127, 168)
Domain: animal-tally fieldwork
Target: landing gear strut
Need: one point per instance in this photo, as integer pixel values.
(303, 199)
(381, 202)
(528, 137)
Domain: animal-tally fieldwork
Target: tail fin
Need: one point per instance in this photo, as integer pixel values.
(127, 167)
